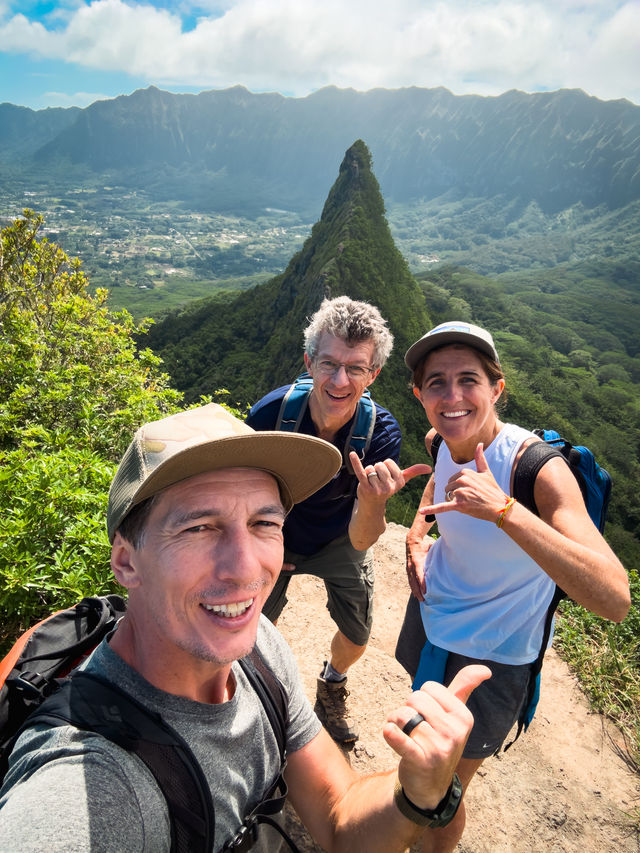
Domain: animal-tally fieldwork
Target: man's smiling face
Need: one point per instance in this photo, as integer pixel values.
(211, 552)
(335, 397)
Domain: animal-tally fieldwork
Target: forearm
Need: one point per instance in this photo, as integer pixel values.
(420, 526)
(367, 523)
(345, 812)
(584, 566)
(417, 544)
(366, 818)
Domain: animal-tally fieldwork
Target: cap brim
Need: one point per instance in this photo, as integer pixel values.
(302, 464)
(417, 351)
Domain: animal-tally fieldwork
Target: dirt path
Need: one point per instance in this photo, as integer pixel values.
(561, 788)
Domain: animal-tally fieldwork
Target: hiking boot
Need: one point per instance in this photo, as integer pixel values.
(331, 708)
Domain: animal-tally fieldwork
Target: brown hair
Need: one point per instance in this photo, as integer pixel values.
(133, 525)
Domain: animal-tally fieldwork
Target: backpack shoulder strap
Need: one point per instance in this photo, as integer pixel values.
(361, 432)
(294, 404)
(275, 701)
(271, 693)
(436, 441)
(91, 703)
(533, 458)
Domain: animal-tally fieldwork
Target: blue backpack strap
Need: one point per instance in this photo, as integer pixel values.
(294, 404)
(359, 438)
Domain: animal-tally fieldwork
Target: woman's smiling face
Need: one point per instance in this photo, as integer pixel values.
(458, 397)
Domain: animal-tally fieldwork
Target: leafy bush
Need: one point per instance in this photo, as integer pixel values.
(73, 388)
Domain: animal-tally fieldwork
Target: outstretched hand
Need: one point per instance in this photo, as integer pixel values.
(380, 481)
(474, 493)
(431, 752)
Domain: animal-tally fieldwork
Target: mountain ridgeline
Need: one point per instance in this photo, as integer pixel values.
(234, 149)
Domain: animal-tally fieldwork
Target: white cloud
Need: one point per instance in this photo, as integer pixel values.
(295, 46)
(77, 99)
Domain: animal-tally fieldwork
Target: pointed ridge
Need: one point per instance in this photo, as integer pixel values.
(254, 342)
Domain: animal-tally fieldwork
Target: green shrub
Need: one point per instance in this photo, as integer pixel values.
(74, 386)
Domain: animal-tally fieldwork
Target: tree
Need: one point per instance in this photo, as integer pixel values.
(73, 388)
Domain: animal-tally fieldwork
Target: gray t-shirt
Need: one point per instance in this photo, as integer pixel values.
(68, 790)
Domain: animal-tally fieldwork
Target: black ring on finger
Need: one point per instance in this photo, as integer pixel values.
(412, 723)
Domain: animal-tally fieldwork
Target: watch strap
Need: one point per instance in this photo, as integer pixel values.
(443, 813)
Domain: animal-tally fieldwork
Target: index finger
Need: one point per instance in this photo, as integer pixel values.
(434, 508)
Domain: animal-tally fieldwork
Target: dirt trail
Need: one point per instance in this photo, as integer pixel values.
(562, 787)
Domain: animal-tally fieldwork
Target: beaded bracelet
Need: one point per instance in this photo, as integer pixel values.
(505, 509)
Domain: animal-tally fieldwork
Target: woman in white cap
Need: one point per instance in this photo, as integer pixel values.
(486, 584)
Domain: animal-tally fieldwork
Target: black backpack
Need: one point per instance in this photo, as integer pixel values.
(36, 686)
(594, 481)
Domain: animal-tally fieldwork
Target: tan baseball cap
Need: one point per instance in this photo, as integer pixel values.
(452, 332)
(209, 438)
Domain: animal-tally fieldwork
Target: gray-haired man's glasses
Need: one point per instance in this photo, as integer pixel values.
(353, 371)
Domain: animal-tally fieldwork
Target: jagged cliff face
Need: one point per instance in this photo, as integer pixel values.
(557, 148)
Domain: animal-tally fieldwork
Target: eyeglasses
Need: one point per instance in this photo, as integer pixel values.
(353, 371)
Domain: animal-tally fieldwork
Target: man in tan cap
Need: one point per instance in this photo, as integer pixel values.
(195, 517)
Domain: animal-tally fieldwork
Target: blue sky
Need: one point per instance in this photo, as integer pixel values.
(72, 53)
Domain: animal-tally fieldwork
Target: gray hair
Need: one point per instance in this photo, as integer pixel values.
(352, 322)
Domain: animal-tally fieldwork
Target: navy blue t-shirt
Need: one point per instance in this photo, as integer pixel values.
(325, 515)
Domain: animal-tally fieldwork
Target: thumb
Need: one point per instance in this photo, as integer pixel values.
(466, 681)
(415, 471)
(481, 462)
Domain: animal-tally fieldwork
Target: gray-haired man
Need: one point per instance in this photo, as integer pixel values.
(331, 534)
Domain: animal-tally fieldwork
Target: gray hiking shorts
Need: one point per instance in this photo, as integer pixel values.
(348, 578)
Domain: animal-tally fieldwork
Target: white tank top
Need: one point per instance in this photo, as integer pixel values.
(486, 598)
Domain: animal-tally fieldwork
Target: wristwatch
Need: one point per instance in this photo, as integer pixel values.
(443, 813)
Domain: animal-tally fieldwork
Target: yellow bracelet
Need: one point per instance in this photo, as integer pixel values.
(505, 509)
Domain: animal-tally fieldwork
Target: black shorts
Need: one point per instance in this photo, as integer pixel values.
(495, 704)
